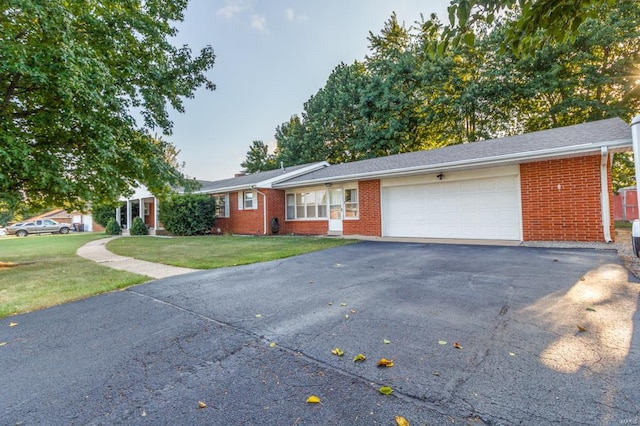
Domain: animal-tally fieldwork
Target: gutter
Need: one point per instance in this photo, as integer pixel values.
(264, 208)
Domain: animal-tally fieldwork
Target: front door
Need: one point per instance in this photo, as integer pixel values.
(335, 210)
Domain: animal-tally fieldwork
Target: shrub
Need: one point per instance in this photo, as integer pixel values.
(112, 227)
(188, 214)
(138, 227)
(103, 213)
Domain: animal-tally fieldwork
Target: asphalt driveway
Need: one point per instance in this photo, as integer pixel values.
(254, 342)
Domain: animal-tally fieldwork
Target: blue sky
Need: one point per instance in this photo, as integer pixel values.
(271, 56)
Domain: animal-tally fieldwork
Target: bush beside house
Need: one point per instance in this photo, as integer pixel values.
(112, 228)
(188, 214)
(138, 227)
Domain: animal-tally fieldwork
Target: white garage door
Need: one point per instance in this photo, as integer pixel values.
(479, 208)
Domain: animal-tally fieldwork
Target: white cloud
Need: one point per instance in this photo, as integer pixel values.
(292, 16)
(259, 22)
(233, 8)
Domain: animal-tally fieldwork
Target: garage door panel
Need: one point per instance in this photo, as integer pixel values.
(483, 208)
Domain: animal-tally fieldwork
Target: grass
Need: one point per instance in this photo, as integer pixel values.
(623, 224)
(219, 251)
(46, 271)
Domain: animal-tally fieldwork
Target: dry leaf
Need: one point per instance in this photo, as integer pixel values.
(3, 343)
(386, 390)
(337, 351)
(313, 399)
(457, 345)
(346, 316)
(512, 354)
(383, 362)
(386, 342)
(353, 311)
(582, 278)
(13, 324)
(581, 328)
(359, 357)
(202, 404)
(591, 308)
(343, 304)
(442, 342)
(401, 421)
(272, 344)
(259, 316)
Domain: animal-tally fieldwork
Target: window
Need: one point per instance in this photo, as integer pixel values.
(307, 205)
(221, 205)
(247, 200)
(351, 203)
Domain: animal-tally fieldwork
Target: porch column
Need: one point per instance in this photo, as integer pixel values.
(118, 217)
(156, 210)
(128, 214)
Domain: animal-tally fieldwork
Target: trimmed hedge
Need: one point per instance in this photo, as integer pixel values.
(189, 214)
(138, 227)
(112, 227)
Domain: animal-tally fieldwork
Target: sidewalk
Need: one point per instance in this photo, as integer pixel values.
(97, 251)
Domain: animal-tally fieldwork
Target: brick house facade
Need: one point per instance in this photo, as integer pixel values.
(552, 185)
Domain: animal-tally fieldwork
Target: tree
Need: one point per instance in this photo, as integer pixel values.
(258, 159)
(71, 75)
(103, 213)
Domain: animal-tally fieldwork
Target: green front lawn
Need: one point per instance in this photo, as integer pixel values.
(41, 271)
(218, 251)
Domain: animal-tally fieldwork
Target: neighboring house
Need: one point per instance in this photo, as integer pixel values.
(552, 185)
(77, 220)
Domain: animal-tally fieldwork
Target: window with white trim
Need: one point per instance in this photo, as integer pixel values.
(307, 205)
(351, 203)
(247, 200)
(222, 205)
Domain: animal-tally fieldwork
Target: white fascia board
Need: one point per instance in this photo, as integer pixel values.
(290, 175)
(268, 183)
(500, 160)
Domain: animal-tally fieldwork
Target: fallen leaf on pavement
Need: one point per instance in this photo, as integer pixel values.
(386, 390)
(3, 343)
(337, 351)
(581, 329)
(359, 357)
(313, 399)
(591, 308)
(442, 342)
(457, 345)
(13, 324)
(383, 362)
(343, 304)
(202, 404)
(512, 354)
(386, 342)
(272, 344)
(401, 421)
(346, 316)
(259, 316)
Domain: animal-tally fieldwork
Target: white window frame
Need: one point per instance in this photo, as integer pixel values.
(318, 194)
(356, 203)
(225, 198)
(242, 200)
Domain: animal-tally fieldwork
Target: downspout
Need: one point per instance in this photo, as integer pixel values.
(264, 209)
(604, 194)
(635, 139)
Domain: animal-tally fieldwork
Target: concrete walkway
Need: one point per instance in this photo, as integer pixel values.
(97, 251)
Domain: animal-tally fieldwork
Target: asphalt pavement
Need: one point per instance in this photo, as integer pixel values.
(477, 335)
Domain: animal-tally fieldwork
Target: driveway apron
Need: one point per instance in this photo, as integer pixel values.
(477, 335)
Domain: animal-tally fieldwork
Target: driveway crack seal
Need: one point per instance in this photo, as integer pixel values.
(397, 394)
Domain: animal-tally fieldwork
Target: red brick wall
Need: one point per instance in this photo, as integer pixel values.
(571, 213)
(251, 222)
(308, 227)
(369, 222)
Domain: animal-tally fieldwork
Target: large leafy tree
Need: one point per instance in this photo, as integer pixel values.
(258, 158)
(74, 75)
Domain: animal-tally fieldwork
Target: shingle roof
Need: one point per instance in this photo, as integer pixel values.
(564, 141)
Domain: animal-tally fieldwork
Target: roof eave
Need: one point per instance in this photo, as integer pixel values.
(501, 160)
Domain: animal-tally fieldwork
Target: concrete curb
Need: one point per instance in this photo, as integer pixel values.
(97, 252)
